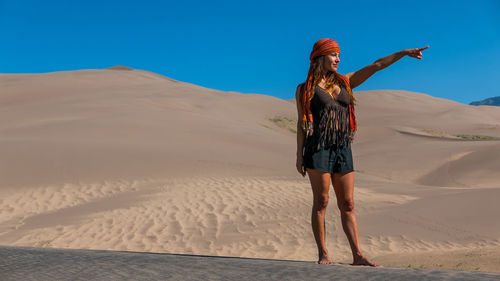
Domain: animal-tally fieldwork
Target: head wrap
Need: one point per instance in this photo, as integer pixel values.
(322, 47)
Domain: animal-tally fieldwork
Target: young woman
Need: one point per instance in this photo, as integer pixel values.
(325, 128)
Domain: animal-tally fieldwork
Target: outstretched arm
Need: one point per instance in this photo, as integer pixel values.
(357, 78)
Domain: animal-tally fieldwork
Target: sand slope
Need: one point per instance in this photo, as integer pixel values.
(93, 125)
(126, 159)
(415, 133)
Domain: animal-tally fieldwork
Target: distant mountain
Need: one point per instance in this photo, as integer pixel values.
(489, 101)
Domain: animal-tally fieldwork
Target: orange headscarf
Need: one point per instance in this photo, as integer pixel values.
(322, 47)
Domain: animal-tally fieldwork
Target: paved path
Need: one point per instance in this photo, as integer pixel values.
(23, 263)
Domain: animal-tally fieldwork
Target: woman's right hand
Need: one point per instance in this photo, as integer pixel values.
(299, 166)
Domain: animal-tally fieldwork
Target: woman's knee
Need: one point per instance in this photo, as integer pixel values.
(321, 202)
(346, 205)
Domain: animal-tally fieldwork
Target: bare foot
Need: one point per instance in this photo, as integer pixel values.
(324, 259)
(361, 260)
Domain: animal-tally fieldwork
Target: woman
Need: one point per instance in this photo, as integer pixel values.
(325, 128)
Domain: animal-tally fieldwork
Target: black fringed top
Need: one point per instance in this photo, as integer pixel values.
(330, 120)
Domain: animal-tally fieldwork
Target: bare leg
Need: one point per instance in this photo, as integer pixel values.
(320, 183)
(343, 185)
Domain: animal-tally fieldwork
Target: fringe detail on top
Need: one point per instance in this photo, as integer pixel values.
(333, 129)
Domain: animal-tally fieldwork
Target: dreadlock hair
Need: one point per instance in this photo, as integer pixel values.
(331, 78)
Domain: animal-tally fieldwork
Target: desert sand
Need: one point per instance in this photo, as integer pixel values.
(129, 160)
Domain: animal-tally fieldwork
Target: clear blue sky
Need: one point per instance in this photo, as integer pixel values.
(260, 46)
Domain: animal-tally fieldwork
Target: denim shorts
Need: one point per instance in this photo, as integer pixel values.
(330, 160)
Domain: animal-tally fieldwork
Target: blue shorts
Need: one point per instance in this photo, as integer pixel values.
(330, 160)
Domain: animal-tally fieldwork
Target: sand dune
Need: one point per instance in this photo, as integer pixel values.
(419, 134)
(125, 159)
(94, 125)
(475, 168)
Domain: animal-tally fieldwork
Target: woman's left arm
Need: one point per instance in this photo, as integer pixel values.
(357, 78)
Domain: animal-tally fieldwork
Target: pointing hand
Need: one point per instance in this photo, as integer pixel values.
(416, 53)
